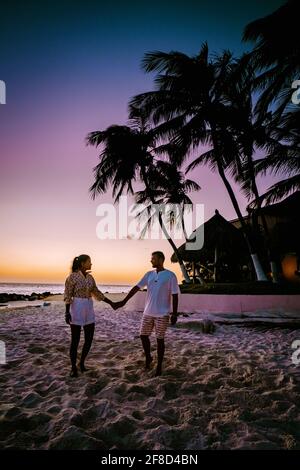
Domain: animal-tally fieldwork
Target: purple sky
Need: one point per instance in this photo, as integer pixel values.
(71, 71)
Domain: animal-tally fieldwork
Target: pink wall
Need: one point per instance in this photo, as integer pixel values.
(213, 303)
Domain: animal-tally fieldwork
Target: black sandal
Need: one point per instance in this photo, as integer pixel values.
(148, 362)
(74, 373)
(83, 368)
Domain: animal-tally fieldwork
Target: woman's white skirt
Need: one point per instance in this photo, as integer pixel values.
(82, 311)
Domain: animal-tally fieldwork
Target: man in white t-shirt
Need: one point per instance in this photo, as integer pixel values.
(161, 303)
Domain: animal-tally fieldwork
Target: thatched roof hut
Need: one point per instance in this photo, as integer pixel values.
(220, 235)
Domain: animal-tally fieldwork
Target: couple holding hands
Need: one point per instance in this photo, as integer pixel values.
(161, 304)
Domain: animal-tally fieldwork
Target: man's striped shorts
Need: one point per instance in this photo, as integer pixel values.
(159, 324)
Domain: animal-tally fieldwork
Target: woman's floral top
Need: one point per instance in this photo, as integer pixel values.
(79, 285)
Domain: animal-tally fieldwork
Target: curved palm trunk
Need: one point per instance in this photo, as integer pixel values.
(162, 225)
(201, 280)
(180, 260)
(183, 224)
(255, 259)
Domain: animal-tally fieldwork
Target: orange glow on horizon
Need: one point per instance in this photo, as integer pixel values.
(52, 275)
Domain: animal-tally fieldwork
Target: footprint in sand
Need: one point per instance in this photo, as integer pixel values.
(171, 390)
(143, 390)
(137, 415)
(31, 400)
(36, 350)
(93, 389)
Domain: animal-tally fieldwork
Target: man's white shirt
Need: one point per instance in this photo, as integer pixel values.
(160, 287)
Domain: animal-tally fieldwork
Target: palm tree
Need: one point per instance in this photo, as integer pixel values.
(275, 59)
(251, 133)
(190, 108)
(128, 156)
(282, 158)
(170, 190)
(275, 56)
(171, 194)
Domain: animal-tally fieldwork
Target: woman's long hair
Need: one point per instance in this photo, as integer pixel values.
(76, 265)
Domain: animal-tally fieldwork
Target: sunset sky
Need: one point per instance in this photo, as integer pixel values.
(70, 68)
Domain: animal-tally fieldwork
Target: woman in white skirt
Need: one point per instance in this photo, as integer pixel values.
(80, 286)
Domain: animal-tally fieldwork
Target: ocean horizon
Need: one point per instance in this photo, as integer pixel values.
(25, 288)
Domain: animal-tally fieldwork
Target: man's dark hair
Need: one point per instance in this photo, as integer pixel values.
(159, 254)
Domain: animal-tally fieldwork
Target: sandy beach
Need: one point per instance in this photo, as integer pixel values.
(235, 389)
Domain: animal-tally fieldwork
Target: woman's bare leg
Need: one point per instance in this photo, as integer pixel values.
(75, 337)
(88, 339)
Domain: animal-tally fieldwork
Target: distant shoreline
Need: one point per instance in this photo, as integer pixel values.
(52, 284)
(10, 292)
(48, 296)
(48, 300)
(5, 297)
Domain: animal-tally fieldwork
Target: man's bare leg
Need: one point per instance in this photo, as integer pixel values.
(160, 355)
(146, 345)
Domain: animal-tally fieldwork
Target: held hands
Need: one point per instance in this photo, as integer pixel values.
(116, 305)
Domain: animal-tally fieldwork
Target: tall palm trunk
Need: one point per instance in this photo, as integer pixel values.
(260, 275)
(162, 225)
(255, 259)
(270, 254)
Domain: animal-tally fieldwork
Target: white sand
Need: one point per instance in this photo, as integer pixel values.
(236, 389)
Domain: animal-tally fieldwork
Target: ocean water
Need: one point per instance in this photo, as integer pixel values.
(27, 289)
